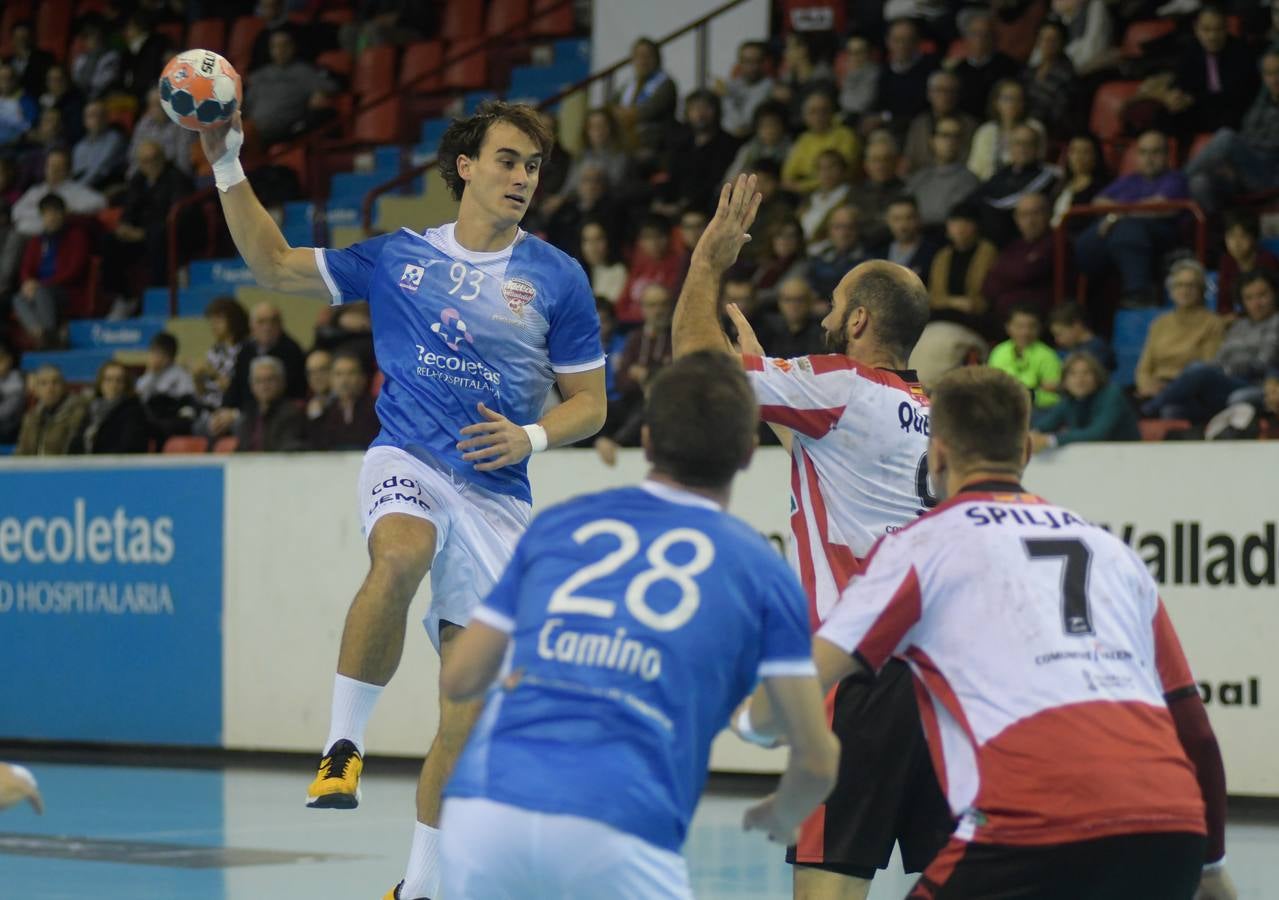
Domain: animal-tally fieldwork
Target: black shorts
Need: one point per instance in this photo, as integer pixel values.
(886, 792)
(1125, 867)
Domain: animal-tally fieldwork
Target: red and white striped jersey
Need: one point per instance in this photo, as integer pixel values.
(858, 462)
(1041, 654)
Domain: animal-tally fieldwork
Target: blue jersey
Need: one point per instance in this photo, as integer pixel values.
(639, 619)
(453, 328)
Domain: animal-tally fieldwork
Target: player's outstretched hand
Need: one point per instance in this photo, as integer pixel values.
(1216, 885)
(497, 441)
(18, 784)
(217, 141)
(747, 342)
(763, 817)
(727, 232)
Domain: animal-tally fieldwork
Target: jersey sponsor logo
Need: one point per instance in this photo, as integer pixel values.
(911, 418)
(452, 330)
(518, 293)
(398, 490)
(457, 371)
(412, 278)
(782, 364)
(805, 364)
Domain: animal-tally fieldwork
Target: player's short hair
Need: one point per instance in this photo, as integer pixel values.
(465, 137)
(702, 417)
(166, 344)
(982, 415)
(898, 304)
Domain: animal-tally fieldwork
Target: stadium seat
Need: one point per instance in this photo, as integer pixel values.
(1106, 120)
(338, 17)
(207, 34)
(1200, 141)
(53, 28)
(339, 62)
(226, 444)
(1159, 429)
(559, 23)
(379, 124)
(1139, 33)
(90, 7)
(374, 72)
(239, 48)
(175, 33)
(421, 59)
(186, 443)
(463, 20)
(468, 73)
(507, 18)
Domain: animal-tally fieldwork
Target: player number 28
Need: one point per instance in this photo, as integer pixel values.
(564, 601)
(459, 274)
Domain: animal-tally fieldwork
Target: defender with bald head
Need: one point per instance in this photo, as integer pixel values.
(858, 424)
(1059, 706)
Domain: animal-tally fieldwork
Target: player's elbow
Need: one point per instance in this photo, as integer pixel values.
(459, 682)
(819, 763)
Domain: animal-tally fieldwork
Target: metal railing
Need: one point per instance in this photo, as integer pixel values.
(1060, 235)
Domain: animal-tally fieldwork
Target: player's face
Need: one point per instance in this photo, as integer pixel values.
(501, 181)
(836, 323)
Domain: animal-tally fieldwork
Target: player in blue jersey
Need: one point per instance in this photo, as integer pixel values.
(473, 323)
(628, 626)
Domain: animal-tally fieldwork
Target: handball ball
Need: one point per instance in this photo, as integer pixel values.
(199, 90)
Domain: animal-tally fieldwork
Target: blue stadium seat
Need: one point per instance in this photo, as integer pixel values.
(219, 271)
(1131, 326)
(79, 366)
(104, 334)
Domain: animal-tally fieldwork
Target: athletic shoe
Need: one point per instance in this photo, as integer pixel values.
(337, 783)
(394, 894)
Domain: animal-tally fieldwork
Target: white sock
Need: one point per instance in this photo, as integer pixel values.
(353, 703)
(422, 878)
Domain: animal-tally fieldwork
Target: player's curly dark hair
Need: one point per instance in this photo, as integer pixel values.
(464, 137)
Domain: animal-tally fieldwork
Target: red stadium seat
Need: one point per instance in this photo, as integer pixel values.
(175, 33)
(53, 28)
(463, 20)
(1200, 141)
(1106, 120)
(339, 62)
(1139, 33)
(186, 443)
(374, 72)
(239, 48)
(1159, 429)
(226, 444)
(507, 17)
(338, 16)
(469, 73)
(380, 124)
(208, 34)
(560, 23)
(421, 59)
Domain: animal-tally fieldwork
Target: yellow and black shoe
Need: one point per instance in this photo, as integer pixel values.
(394, 894)
(337, 783)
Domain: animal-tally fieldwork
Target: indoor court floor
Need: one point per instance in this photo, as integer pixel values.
(142, 833)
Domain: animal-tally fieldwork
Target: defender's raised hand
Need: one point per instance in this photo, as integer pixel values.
(727, 233)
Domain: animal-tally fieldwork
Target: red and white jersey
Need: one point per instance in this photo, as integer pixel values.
(1041, 653)
(858, 464)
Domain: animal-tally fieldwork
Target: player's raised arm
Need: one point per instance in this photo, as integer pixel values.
(696, 324)
(273, 262)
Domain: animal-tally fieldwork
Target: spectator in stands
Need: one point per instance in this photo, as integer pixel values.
(350, 327)
(860, 85)
(1188, 333)
(938, 188)
(769, 140)
(1243, 255)
(18, 109)
(603, 148)
(903, 77)
(144, 54)
(692, 222)
(606, 271)
(655, 259)
(349, 421)
(1249, 421)
(266, 338)
(776, 206)
(1245, 160)
(1023, 271)
(141, 237)
(878, 189)
(613, 341)
(746, 90)
(697, 158)
(229, 325)
(992, 143)
(1072, 335)
(1090, 29)
(13, 395)
(982, 67)
(76, 197)
(47, 136)
(1091, 408)
(54, 274)
(287, 95)
(646, 352)
(95, 69)
(590, 200)
(275, 16)
(167, 391)
(943, 103)
(1050, 81)
(154, 125)
(1133, 243)
(319, 382)
(803, 71)
(1024, 174)
(98, 158)
(832, 190)
(739, 291)
(822, 132)
(1248, 350)
(1219, 74)
(958, 272)
(645, 103)
(793, 330)
(29, 62)
(11, 247)
(60, 93)
(907, 245)
(50, 425)
(784, 257)
(273, 422)
(10, 190)
(1083, 180)
(1028, 359)
(116, 421)
(830, 260)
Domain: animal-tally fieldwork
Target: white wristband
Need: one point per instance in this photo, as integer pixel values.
(1215, 866)
(227, 171)
(536, 437)
(747, 733)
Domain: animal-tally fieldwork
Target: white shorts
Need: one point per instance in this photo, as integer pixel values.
(492, 851)
(476, 529)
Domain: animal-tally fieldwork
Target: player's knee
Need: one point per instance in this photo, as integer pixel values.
(456, 721)
(401, 569)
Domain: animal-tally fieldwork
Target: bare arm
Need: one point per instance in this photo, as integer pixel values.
(470, 669)
(833, 666)
(696, 325)
(268, 255)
